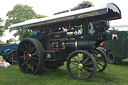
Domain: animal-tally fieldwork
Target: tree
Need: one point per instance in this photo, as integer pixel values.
(21, 13)
(11, 40)
(1, 27)
(84, 2)
(23, 33)
(39, 16)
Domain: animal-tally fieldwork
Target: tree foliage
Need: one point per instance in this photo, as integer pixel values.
(10, 40)
(21, 13)
(84, 2)
(23, 33)
(39, 16)
(1, 27)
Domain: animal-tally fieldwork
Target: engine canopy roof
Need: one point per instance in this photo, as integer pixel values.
(108, 11)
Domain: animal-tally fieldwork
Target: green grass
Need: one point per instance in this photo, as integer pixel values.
(113, 75)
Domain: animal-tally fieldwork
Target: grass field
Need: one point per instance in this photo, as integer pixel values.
(113, 75)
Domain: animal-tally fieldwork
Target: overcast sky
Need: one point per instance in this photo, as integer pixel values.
(49, 7)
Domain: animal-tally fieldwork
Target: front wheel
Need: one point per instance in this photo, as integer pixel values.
(81, 65)
(30, 56)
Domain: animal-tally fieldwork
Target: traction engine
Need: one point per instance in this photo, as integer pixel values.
(72, 36)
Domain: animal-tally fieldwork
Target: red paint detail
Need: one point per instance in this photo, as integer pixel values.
(57, 36)
(57, 47)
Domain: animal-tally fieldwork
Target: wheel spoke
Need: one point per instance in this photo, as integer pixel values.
(83, 74)
(22, 56)
(76, 60)
(26, 47)
(98, 67)
(23, 50)
(34, 58)
(25, 62)
(89, 63)
(79, 73)
(74, 63)
(76, 71)
(34, 62)
(32, 65)
(88, 68)
(87, 72)
(82, 57)
(27, 68)
(29, 47)
(32, 49)
(78, 57)
(100, 64)
(74, 67)
(34, 54)
(86, 60)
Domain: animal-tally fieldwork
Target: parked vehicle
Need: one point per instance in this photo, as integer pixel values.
(9, 53)
(117, 49)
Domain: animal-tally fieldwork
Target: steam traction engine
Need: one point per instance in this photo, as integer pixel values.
(70, 36)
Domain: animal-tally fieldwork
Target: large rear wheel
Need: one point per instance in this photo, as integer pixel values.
(30, 56)
(81, 65)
